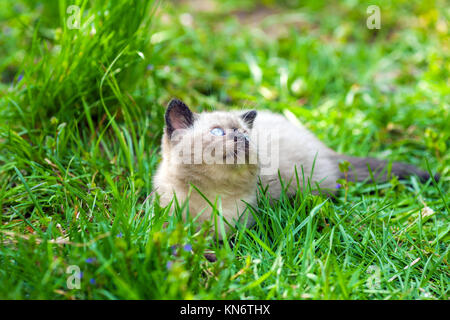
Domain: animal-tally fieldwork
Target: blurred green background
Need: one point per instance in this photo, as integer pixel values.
(81, 117)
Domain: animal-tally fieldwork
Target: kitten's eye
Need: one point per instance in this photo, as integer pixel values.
(218, 132)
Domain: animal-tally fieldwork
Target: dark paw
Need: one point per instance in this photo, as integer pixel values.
(437, 177)
(211, 257)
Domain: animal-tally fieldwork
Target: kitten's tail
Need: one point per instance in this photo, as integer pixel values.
(359, 171)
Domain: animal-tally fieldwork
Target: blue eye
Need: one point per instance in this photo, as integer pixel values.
(218, 132)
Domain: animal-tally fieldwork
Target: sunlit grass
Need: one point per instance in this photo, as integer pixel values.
(81, 117)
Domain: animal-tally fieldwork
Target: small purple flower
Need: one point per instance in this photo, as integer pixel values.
(338, 186)
(20, 78)
(90, 260)
(174, 249)
(120, 235)
(92, 281)
(169, 265)
(187, 247)
(81, 274)
(150, 67)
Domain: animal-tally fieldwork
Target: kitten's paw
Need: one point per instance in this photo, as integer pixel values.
(211, 257)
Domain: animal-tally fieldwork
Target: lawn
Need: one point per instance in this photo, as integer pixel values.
(81, 119)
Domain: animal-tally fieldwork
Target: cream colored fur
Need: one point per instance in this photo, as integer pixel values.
(298, 148)
(236, 184)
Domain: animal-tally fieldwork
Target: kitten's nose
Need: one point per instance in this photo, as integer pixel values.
(238, 136)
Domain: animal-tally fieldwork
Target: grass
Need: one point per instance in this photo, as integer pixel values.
(81, 117)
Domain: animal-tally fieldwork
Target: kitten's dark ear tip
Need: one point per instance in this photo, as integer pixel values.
(252, 114)
(249, 117)
(175, 102)
(178, 116)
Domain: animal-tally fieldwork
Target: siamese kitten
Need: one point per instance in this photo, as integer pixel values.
(226, 154)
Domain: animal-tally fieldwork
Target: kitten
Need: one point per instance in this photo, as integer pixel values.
(226, 154)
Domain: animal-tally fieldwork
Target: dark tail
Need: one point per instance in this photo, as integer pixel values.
(381, 170)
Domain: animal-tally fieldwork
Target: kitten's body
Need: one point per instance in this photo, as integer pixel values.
(298, 148)
(236, 184)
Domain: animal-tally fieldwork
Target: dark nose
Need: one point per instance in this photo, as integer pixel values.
(237, 136)
(241, 138)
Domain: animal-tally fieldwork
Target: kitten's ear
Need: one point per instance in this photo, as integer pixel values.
(249, 117)
(178, 116)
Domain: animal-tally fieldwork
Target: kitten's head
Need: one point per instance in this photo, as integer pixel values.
(210, 139)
